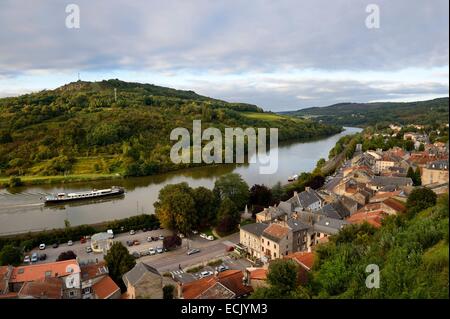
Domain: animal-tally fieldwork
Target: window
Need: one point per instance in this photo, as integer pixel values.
(274, 255)
(71, 293)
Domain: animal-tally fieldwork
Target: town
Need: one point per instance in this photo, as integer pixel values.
(364, 188)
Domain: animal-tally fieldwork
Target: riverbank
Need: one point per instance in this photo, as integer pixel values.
(29, 180)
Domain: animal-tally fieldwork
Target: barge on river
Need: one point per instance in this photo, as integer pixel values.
(95, 193)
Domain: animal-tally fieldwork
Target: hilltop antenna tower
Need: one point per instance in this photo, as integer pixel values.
(79, 79)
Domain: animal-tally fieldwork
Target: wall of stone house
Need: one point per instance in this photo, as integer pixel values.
(149, 287)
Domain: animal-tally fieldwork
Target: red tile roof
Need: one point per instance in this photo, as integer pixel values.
(231, 279)
(379, 197)
(305, 259)
(45, 288)
(39, 271)
(276, 230)
(258, 274)
(395, 204)
(90, 271)
(104, 288)
(374, 218)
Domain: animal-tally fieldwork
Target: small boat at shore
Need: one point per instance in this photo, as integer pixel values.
(95, 193)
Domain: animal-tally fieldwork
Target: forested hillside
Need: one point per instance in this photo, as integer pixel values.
(82, 128)
(430, 112)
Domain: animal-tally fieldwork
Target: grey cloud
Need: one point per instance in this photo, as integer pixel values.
(224, 36)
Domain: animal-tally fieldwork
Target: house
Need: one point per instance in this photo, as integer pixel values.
(307, 200)
(435, 173)
(228, 284)
(379, 182)
(145, 282)
(373, 218)
(305, 261)
(389, 206)
(68, 271)
(385, 162)
(96, 283)
(276, 241)
(256, 277)
(250, 237)
(106, 288)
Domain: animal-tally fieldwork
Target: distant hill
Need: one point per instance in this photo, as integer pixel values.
(364, 114)
(112, 126)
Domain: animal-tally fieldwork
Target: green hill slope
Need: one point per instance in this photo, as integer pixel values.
(81, 128)
(362, 114)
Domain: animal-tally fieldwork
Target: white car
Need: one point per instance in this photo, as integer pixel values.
(193, 251)
(210, 237)
(195, 232)
(132, 232)
(149, 239)
(205, 273)
(42, 246)
(151, 251)
(159, 250)
(27, 259)
(202, 235)
(69, 243)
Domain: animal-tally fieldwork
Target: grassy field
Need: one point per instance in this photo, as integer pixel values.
(270, 116)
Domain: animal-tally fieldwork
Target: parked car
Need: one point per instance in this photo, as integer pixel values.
(42, 246)
(42, 256)
(202, 235)
(27, 259)
(161, 237)
(136, 242)
(88, 249)
(130, 243)
(149, 238)
(151, 251)
(82, 240)
(159, 250)
(210, 237)
(55, 245)
(205, 273)
(34, 257)
(132, 232)
(136, 254)
(144, 253)
(193, 251)
(155, 238)
(222, 268)
(195, 232)
(69, 243)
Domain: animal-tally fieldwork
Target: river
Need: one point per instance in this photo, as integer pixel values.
(21, 209)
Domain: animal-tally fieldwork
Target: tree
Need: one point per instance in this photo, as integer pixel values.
(278, 192)
(418, 178)
(205, 205)
(409, 145)
(420, 199)
(10, 255)
(260, 197)
(66, 255)
(234, 187)
(421, 147)
(176, 208)
(168, 291)
(283, 275)
(119, 261)
(227, 208)
(171, 242)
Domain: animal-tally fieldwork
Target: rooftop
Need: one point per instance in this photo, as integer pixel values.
(230, 279)
(105, 287)
(374, 218)
(305, 259)
(139, 270)
(275, 232)
(39, 271)
(256, 228)
(45, 288)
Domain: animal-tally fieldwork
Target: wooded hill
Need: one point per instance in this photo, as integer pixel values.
(431, 112)
(81, 128)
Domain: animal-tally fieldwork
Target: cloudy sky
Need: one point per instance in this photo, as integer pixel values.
(281, 55)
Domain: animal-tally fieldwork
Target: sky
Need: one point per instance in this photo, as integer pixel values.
(281, 55)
